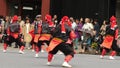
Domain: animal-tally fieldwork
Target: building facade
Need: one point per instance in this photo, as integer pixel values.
(101, 9)
(24, 7)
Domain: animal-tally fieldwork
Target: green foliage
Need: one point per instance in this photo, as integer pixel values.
(94, 45)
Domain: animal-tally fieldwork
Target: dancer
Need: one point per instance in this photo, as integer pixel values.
(14, 34)
(45, 34)
(110, 39)
(35, 33)
(62, 33)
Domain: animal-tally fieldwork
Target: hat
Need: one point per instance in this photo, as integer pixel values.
(65, 18)
(113, 21)
(48, 17)
(113, 18)
(38, 16)
(15, 18)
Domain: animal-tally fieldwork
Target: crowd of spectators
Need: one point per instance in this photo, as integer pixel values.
(89, 32)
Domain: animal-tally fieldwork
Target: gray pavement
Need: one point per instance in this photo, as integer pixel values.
(12, 59)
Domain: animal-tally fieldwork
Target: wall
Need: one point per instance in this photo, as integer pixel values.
(118, 9)
(3, 8)
(80, 8)
(118, 13)
(45, 8)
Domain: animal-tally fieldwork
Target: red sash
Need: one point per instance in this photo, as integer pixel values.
(107, 43)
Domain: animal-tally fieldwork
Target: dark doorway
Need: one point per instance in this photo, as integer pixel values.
(118, 9)
(100, 9)
(56, 8)
(113, 4)
(75, 8)
(30, 7)
(34, 5)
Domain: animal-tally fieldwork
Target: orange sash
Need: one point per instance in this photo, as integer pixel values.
(36, 38)
(107, 43)
(53, 43)
(45, 37)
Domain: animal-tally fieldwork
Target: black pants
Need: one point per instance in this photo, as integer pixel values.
(115, 47)
(11, 39)
(65, 48)
(41, 43)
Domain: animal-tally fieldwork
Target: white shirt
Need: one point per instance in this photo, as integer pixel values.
(74, 25)
(88, 26)
(27, 29)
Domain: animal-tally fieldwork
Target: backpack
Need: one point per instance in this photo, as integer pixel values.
(14, 27)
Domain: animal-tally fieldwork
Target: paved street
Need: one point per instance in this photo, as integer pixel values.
(12, 59)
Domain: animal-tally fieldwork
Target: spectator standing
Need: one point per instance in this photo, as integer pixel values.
(55, 21)
(26, 29)
(2, 22)
(73, 23)
(80, 25)
(96, 27)
(20, 21)
(5, 26)
(103, 28)
(78, 34)
(86, 38)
